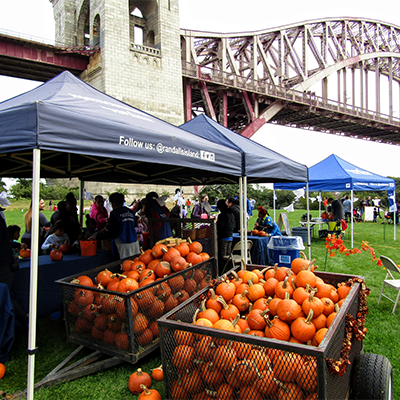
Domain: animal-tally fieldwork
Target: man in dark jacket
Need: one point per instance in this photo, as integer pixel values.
(225, 227)
(67, 212)
(234, 207)
(336, 209)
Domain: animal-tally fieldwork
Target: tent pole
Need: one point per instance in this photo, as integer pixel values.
(181, 202)
(395, 214)
(319, 204)
(81, 200)
(352, 219)
(308, 222)
(241, 216)
(245, 218)
(274, 206)
(30, 387)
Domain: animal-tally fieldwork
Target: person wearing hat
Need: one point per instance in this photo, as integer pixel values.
(272, 227)
(260, 223)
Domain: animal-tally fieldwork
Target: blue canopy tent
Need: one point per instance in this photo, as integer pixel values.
(336, 174)
(66, 128)
(260, 164)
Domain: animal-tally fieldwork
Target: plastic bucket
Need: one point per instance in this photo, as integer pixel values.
(88, 247)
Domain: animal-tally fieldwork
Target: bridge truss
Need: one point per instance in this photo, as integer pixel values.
(339, 76)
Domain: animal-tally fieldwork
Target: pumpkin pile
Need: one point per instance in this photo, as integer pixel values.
(279, 303)
(256, 232)
(105, 315)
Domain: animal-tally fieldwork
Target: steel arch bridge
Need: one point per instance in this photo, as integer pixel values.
(337, 75)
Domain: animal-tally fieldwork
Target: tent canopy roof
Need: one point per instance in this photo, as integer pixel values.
(260, 164)
(336, 174)
(85, 133)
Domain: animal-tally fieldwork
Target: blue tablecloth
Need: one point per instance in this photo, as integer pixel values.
(49, 293)
(259, 251)
(7, 320)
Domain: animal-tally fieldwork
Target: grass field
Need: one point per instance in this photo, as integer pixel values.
(113, 383)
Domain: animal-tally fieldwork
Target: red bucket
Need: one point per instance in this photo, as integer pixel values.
(88, 247)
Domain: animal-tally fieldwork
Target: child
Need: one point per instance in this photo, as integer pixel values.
(57, 238)
(375, 214)
(90, 231)
(140, 228)
(14, 231)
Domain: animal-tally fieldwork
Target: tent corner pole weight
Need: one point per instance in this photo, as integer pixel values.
(33, 275)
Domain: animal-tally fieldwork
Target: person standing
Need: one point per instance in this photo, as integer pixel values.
(50, 205)
(121, 227)
(67, 212)
(377, 204)
(347, 208)
(43, 224)
(336, 209)
(201, 207)
(9, 264)
(252, 203)
(153, 209)
(225, 227)
(99, 213)
(363, 204)
(234, 207)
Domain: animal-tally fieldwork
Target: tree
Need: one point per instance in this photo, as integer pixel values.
(22, 189)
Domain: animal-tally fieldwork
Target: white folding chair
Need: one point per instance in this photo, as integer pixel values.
(390, 280)
(235, 256)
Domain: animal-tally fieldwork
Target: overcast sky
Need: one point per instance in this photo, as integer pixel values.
(35, 18)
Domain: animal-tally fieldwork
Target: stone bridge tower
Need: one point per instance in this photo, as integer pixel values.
(140, 57)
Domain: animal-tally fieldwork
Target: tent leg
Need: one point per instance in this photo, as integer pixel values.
(85, 366)
(33, 286)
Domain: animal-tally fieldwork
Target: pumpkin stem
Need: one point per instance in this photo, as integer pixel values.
(244, 293)
(310, 264)
(221, 300)
(336, 307)
(145, 390)
(236, 320)
(303, 255)
(212, 294)
(195, 315)
(309, 316)
(235, 275)
(285, 282)
(243, 267)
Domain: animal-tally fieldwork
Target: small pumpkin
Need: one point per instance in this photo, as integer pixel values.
(25, 253)
(149, 394)
(2, 370)
(56, 255)
(138, 378)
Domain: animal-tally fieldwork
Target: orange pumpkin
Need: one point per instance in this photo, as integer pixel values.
(196, 247)
(25, 253)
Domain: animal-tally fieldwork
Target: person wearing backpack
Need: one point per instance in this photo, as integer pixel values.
(121, 227)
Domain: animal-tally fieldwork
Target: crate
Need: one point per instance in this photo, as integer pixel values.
(175, 328)
(201, 230)
(132, 317)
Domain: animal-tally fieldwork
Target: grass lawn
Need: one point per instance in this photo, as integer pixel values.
(113, 383)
